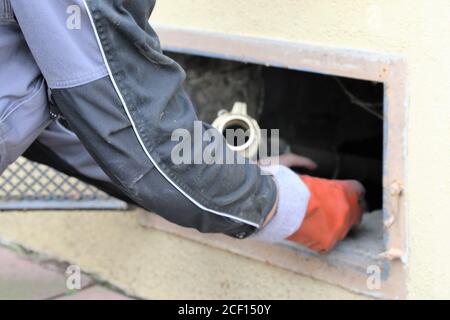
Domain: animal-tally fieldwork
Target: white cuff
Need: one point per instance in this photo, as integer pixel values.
(293, 198)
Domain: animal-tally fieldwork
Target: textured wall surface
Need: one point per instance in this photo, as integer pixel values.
(156, 265)
(418, 30)
(152, 264)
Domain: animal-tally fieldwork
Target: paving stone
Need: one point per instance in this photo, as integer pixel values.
(23, 279)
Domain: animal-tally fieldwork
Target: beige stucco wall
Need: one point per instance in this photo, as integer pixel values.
(157, 265)
(416, 29)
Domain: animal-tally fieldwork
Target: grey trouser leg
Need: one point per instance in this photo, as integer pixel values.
(24, 114)
(68, 147)
(23, 93)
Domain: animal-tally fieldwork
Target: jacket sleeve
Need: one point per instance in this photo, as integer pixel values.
(124, 99)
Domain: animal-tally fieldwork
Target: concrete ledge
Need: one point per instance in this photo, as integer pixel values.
(153, 264)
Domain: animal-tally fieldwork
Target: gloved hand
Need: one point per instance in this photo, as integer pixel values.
(334, 207)
(313, 212)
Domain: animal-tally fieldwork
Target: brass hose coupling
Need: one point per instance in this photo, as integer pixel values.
(242, 133)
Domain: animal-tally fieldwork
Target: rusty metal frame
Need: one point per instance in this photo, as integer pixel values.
(359, 64)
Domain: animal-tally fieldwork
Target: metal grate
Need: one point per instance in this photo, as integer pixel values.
(28, 185)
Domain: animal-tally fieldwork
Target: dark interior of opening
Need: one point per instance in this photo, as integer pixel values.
(234, 139)
(337, 122)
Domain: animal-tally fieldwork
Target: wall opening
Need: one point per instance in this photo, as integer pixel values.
(343, 107)
(335, 121)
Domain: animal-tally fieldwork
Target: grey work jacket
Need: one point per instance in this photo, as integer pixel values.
(123, 98)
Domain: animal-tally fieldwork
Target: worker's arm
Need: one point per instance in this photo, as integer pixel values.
(123, 98)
